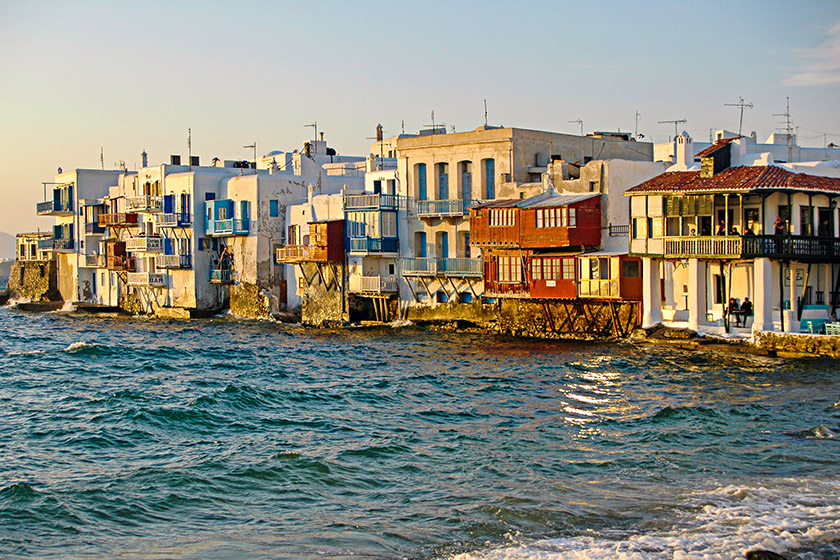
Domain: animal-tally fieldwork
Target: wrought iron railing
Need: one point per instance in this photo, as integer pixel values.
(367, 245)
(771, 246)
(176, 219)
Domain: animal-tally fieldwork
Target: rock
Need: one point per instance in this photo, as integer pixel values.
(763, 555)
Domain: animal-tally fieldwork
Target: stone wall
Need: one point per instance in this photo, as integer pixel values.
(476, 313)
(323, 299)
(34, 280)
(249, 300)
(798, 344)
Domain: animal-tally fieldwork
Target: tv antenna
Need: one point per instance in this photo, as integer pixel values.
(741, 105)
(102, 158)
(788, 128)
(315, 125)
(637, 116)
(675, 123)
(485, 112)
(580, 122)
(254, 146)
(435, 126)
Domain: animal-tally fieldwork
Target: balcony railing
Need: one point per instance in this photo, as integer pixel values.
(144, 244)
(95, 261)
(373, 284)
(121, 263)
(118, 219)
(145, 203)
(752, 246)
(152, 279)
(173, 261)
(442, 208)
(371, 245)
(598, 288)
(222, 276)
(431, 266)
(56, 244)
(292, 253)
(55, 208)
(94, 228)
(371, 202)
(177, 219)
(619, 231)
(230, 227)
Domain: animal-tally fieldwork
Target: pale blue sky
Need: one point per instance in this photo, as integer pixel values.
(77, 76)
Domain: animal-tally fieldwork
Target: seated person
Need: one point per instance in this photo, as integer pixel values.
(734, 311)
(746, 309)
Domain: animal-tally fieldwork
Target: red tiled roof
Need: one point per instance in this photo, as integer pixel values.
(716, 146)
(737, 179)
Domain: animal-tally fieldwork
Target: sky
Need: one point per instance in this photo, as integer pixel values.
(82, 78)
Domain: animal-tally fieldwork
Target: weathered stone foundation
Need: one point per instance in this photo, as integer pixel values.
(792, 344)
(248, 300)
(35, 280)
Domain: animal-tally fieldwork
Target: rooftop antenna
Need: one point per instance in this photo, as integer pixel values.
(485, 112)
(675, 123)
(189, 147)
(102, 158)
(788, 129)
(435, 126)
(580, 122)
(254, 146)
(403, 126)
(741, 105)
(637, 116)
(314, 124)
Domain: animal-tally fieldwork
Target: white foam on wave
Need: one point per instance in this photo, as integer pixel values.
(719, 524)
(400, 323)
(77, 347)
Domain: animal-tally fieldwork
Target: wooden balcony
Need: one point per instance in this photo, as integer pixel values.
(373, 284)
(173, 261)
(292, 254)
(120, 263)
(144, 244)
(56, 244)
(177, 219)
(55, 208)
(793, 247)
(226, 277)
(146, 203)
(447, 267)
(444, 208)
(360, 246)
(118, 219)
(94, 261)
(371, 202)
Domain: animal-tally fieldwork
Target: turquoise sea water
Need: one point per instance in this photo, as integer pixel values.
(223, 438)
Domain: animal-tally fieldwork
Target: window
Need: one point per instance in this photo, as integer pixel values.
(510, 270)
(273, 208)
(630, 269)
(377, 186)
(536, 269)
(389, 224)
(539, 218)
(568, 269)
(420, 244)
(572, 217)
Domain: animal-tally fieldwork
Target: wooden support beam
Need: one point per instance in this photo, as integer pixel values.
(303, 273)
(426, 286)
(615, 325)
(569, 319)
(549, 318)
(454, 290)
(413, 292)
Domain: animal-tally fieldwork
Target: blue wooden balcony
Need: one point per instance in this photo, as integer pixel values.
(173, 261)
(177, 219)
(445, 267)
(55, 208)
(360, 246)
(444, 208)
(228, 226)
(222, 276)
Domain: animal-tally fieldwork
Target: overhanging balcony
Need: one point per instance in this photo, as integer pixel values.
(373, 285)
(446, 267)
(173, 261)
(371, 202)
(178, 219)
(229, 227)
(361, 246)
(120, 263)
(118, 219)
(59, 244)
(292, 254)
(149, 279)
(793, 247)
(444, 208)
(55, 208)
(94, 261)
(144, 203)
(222, 276)
(151, 244)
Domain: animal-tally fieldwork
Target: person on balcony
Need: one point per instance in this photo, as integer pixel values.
(721, 228)
(749, 231)
(693, 232)
(734, 231)
(778, 226)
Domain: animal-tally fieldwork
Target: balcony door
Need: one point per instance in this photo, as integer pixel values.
(466, 179)
(443, 181)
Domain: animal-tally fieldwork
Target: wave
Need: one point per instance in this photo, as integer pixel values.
(82, 348)
(718, 524)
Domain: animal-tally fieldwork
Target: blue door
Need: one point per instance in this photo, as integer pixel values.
(490, 178)
(444, 245)
(421, 181)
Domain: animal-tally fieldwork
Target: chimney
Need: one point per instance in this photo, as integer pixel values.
(174, 160)
(194, 161)
(684, 150)
(144, 159)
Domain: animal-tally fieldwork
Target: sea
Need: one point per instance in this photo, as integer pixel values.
(135, 438)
